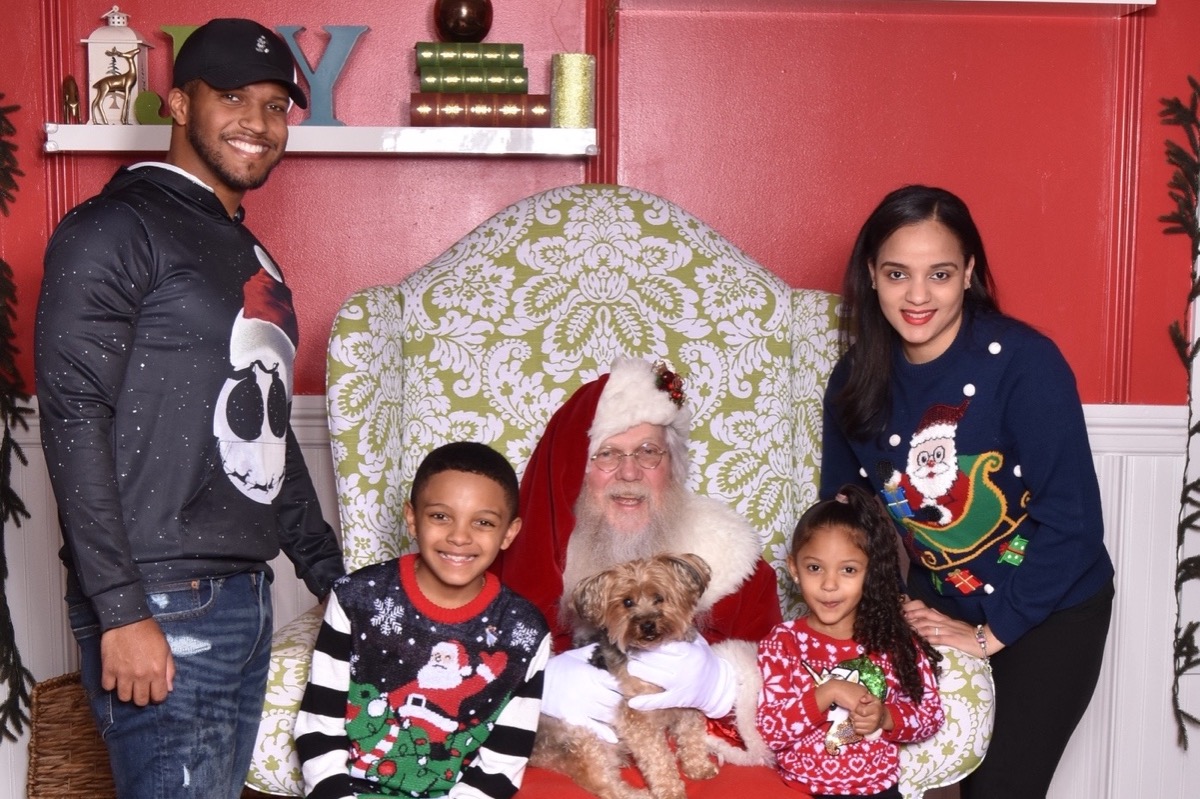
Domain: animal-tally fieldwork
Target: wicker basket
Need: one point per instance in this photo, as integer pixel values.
(67, 757)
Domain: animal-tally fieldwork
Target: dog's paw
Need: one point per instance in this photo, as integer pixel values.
(627, 791)
(703, 769)
(671, 792)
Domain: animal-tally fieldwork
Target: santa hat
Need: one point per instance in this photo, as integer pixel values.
(454, 650)
(641, 392)
(940, 421)
(270, 300)
(635, 391)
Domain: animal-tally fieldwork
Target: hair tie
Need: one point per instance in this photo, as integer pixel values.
(842, 498)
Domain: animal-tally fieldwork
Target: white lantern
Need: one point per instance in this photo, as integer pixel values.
(116, 70)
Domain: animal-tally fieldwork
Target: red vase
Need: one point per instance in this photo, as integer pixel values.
(462, 20)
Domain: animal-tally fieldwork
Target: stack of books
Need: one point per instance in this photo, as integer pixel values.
(476, 84)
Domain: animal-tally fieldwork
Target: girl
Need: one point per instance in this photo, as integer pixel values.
(846, 683)
(968, 422)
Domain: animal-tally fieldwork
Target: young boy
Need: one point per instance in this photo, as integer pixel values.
(427, 675)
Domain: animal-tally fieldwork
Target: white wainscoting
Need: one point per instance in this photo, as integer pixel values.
(1124, 748)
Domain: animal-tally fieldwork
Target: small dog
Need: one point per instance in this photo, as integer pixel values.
(634, 606)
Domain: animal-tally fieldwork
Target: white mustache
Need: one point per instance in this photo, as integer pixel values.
(627, 492)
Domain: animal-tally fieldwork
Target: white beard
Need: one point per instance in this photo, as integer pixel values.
(935, 485)
(596, 545)
(433, 675)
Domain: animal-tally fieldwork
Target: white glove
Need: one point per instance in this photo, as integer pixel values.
(690, 673)
(579, 693)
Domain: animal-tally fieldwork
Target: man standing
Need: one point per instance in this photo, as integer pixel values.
(164, 348)
(607, 484)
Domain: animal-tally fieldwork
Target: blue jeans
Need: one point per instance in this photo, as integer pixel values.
(199, 741)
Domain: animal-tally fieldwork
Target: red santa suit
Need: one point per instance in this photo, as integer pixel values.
(741, 604)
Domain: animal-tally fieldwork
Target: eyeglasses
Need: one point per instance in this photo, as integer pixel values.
(646, 456)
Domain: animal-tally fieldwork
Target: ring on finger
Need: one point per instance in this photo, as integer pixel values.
(937, 630)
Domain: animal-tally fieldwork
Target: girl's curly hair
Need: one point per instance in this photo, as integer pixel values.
(879, 624)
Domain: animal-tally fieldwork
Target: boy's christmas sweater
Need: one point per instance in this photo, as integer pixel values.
(407, 698)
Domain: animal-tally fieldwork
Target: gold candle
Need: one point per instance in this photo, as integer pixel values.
(573, 90)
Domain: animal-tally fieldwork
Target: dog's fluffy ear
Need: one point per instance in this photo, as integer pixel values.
(693, 570)
(590, 597)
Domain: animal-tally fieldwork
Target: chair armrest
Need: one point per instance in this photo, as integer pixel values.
(968, 701)
(274, 767)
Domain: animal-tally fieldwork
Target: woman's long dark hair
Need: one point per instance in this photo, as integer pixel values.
(865, 401)
(879, 625)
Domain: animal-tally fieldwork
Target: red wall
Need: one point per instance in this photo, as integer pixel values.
(780, 128)
(784, 129)
(335, 223)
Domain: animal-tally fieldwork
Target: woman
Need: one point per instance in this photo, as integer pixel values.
(969, 424)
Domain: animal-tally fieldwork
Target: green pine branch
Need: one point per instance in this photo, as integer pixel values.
(1182, 190)
(1183, 348)
(14, 412)
(8, 158)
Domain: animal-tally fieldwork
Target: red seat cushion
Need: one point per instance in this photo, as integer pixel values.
(759, 782)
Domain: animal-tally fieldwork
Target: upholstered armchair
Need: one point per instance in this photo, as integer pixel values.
(487, 341)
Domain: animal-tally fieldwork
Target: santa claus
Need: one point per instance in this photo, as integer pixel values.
(435, 697)
(935, 487)
(607, 483)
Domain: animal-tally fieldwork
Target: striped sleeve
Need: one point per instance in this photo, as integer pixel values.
(499, 765)
(321, 739)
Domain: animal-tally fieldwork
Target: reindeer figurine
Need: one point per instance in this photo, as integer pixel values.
(70, 101)
(120, 85)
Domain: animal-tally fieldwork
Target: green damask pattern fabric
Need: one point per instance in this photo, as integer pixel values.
(968, 694)
(275, 769)
(489, 339)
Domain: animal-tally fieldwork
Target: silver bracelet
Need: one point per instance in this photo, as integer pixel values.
(981, 639)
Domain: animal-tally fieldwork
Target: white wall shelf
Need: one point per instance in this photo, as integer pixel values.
(346, 140)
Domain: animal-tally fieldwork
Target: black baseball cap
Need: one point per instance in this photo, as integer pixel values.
(231, 53)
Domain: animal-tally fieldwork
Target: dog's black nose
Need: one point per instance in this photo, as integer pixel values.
(648, 629)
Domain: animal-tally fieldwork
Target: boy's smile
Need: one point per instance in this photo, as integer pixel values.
(235, 136)
(460, 522)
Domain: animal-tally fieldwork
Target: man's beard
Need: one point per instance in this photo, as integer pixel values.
(597, 545)
(211, 157)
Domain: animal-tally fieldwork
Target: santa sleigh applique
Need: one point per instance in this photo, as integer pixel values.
(948, 504)
(982, 519)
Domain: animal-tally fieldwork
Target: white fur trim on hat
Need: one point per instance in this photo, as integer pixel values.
(940, 421)
(632, 397)
(934, 431)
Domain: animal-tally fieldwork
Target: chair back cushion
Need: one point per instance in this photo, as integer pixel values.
(489, 339)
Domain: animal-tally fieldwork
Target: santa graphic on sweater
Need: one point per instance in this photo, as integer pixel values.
(434, 699)
(936, 489)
